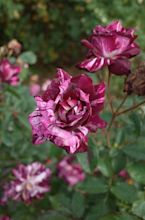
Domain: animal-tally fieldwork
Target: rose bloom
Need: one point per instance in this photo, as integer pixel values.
(67, 111)
(9, 72)
(110, 46)
(4, 218)
(71, 172)
(31, 181)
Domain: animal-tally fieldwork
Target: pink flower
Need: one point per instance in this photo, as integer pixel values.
(9, 72)
(71, 172)
(34, 89)
(31, 181)
(67, 111)
(4, 218)
(110, 46)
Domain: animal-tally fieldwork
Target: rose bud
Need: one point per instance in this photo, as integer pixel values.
(124, 174)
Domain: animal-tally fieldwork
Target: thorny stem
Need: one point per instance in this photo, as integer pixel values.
(109, 95)
(131, 108)
(107, 135)
(116, 112)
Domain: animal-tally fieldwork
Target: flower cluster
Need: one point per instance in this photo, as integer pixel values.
(71, 172)
(110, 46)
(31, 181)
(9, 72)
(69, 108)
(67, 111)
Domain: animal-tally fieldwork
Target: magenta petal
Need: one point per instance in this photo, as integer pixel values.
(72, 142)
(132, 51)
(92, 64)
(115, 26)
(120, 67)
(81, 81)
(99, 98)
(95, 123)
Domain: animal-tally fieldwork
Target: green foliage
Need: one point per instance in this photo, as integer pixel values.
(42, 26)
(28, 57)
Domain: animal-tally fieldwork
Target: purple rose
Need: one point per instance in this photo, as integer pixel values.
(9, 72)
(67, 111)
(110, 46)
(31, 181)
(71, 172)
(4, 217)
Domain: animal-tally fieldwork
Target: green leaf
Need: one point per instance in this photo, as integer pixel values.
(77, 205)
(135, 119)
(13, 91)
(28, 57)
(52, 215)
(102, 207)
(93, 185)
(24, 122)
(135, 150)
(105, 166)
(119, 217)
(139, 209)
(124, 192)
(60, 202)
(118, 160)
(137, 172)
(83, 160)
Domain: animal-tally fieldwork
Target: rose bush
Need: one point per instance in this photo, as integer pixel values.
(106, 180)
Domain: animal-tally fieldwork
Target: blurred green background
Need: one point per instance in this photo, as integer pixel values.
(53, 29)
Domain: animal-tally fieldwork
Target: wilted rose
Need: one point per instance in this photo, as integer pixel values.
(67, 111)
(135, 82)
(9, 72)
(110, 46)
(70, 171)
(30, 182)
